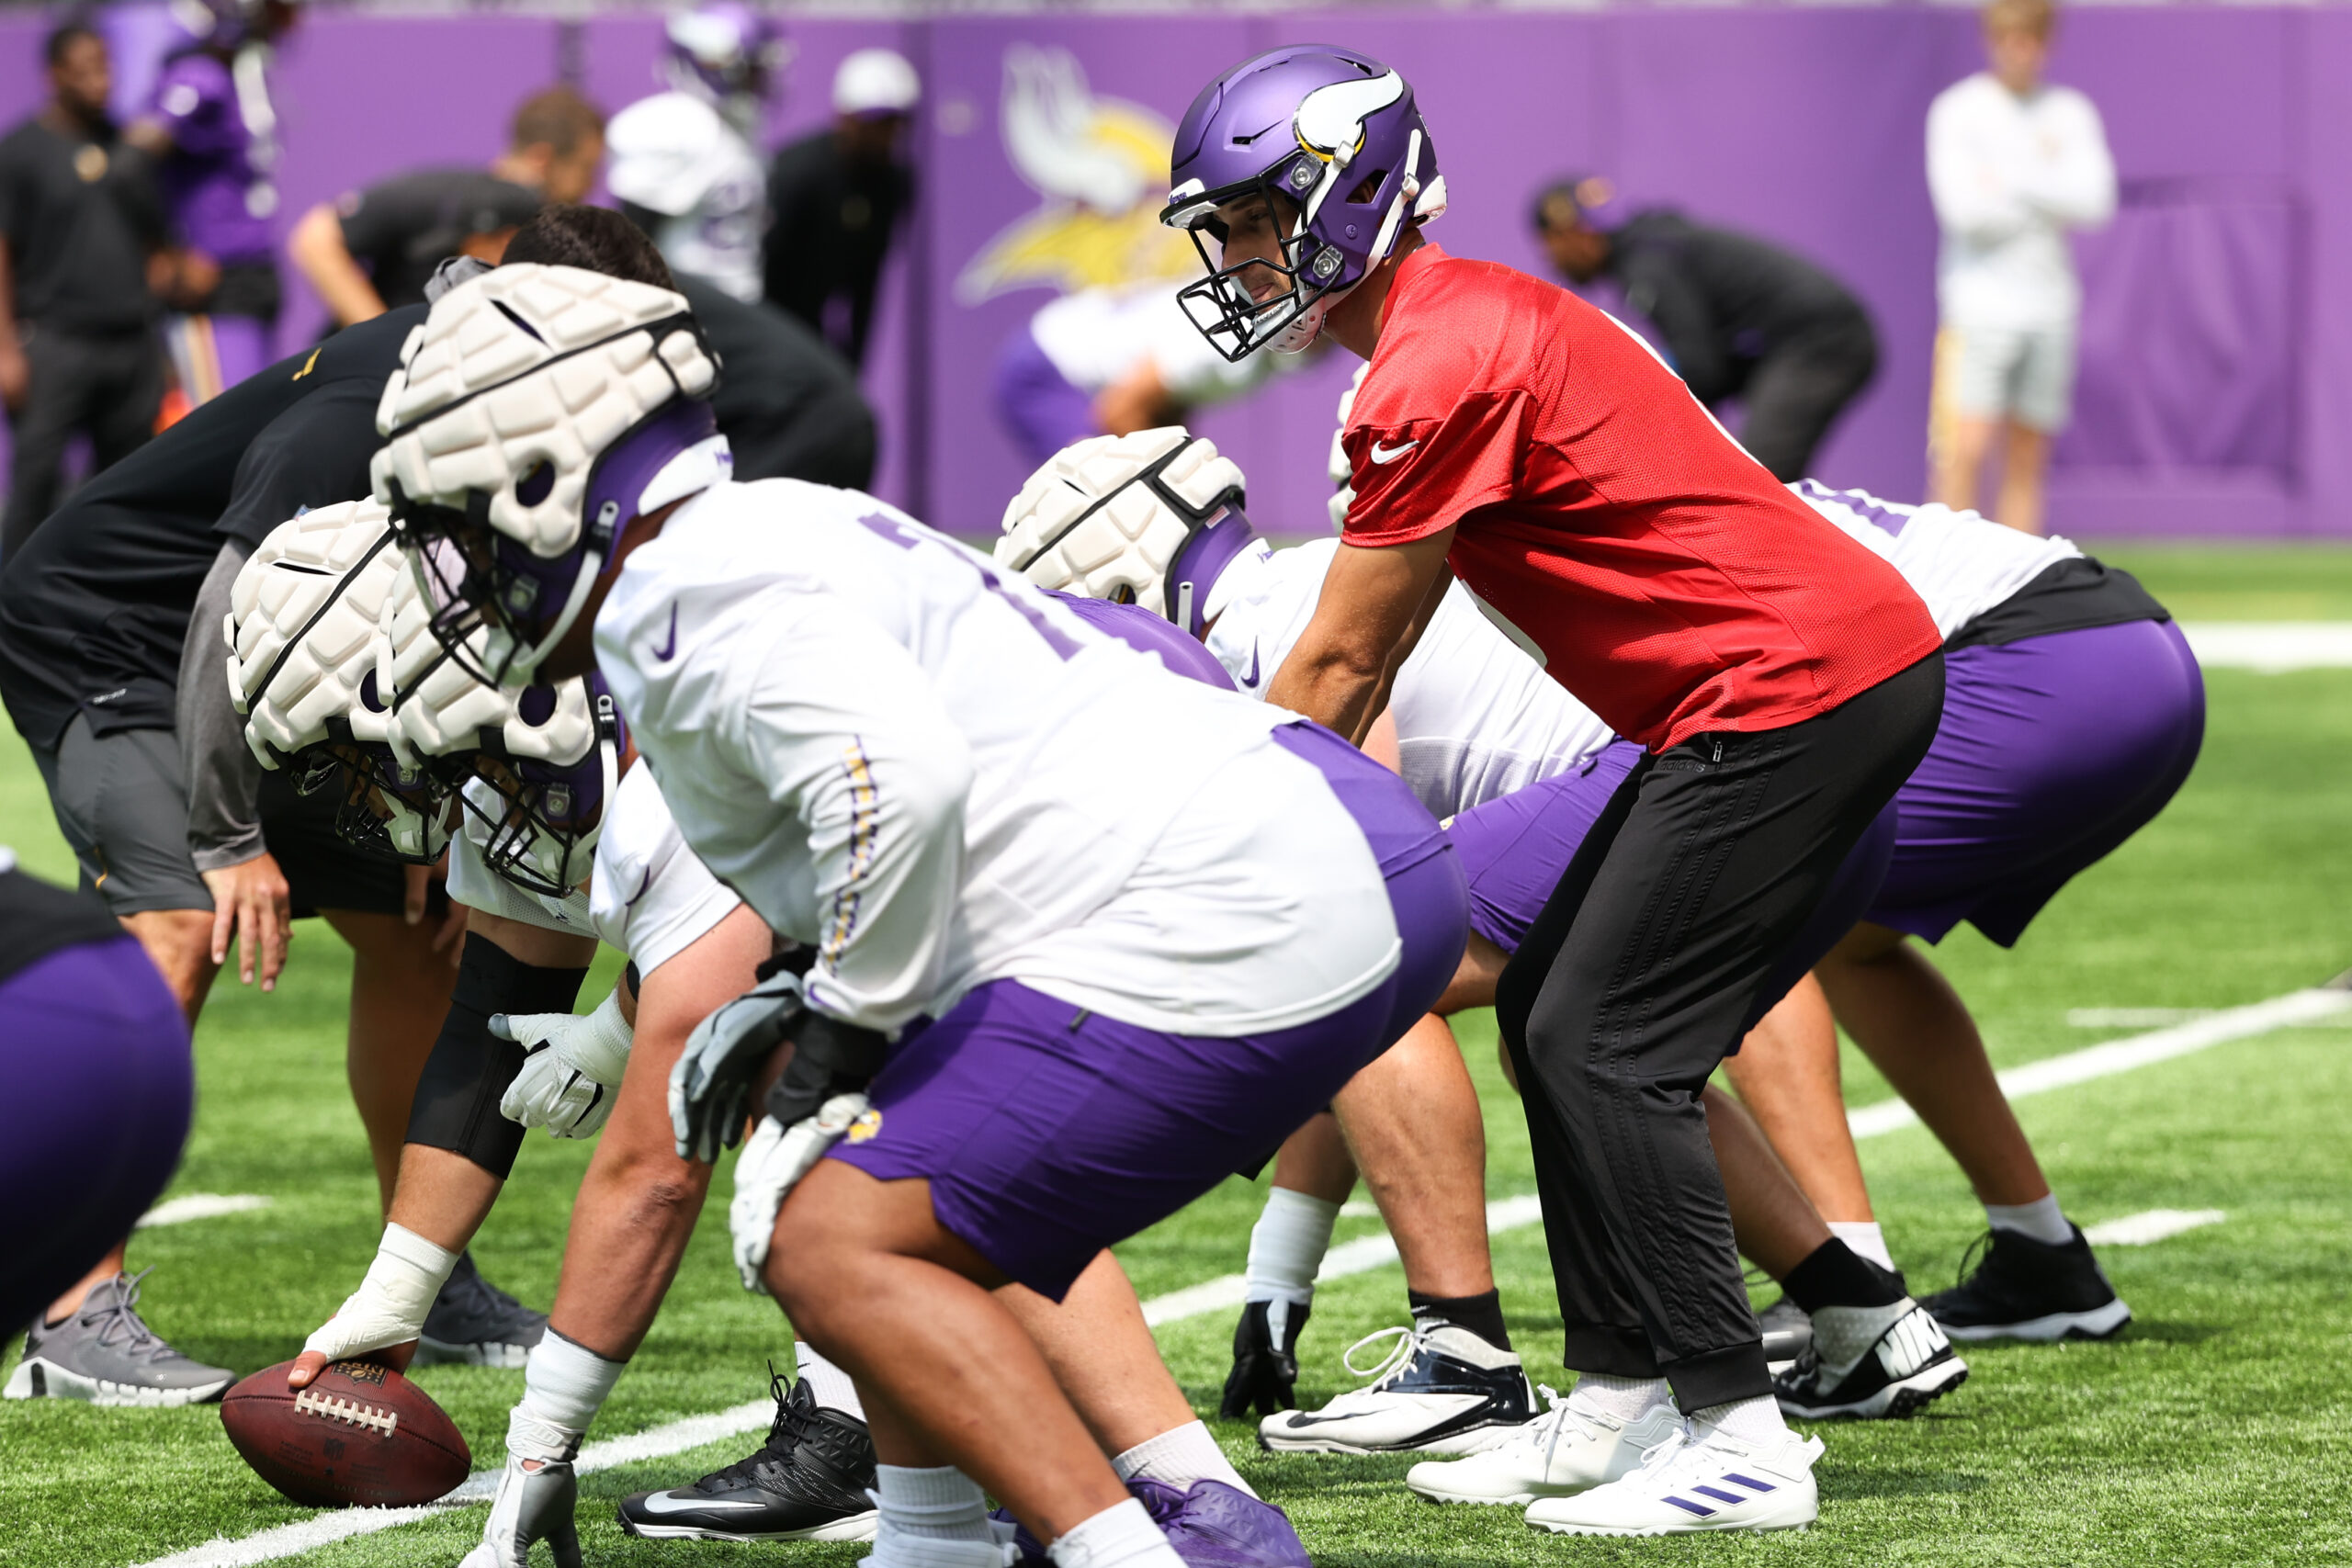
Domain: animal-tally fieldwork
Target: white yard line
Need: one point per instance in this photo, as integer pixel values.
(2134, 1051)
(201, 1206)
(2156, 1225)
(2271, 648)
(1359, 1257)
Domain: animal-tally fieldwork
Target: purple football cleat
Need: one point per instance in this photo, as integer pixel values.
(1211, 1525)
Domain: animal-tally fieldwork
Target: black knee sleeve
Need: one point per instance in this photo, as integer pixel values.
(456, 1099)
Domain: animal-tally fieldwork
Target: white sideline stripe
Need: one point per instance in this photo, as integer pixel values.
(2123, 1055)
(307, 1535)
(2156, 1225)
(1353, 1258)
(1350, 1258)
(201, 1206)
(2271, 648)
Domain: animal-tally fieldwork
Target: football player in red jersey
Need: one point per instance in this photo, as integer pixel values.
(1782, 679)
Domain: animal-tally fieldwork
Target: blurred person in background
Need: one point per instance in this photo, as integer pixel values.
(2013, 164)
(1741, 318)
(79, 221)
(372, 250)
(835, 198)
(685, 168)
(1110, 361)
(211, 128)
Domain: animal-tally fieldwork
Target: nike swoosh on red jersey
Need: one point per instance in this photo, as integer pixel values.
(1391, 453)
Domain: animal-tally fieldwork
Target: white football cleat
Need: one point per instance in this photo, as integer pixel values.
(1568, 1448)
(1688, 1485)
(1442, 1390)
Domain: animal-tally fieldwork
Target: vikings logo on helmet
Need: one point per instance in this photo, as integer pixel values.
(1327, 136)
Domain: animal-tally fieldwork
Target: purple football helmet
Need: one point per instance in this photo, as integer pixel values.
(723, 51)
(543, 814)
(1337, 135)
(231, 24)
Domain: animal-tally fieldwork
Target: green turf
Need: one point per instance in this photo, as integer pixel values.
(2213, 1432)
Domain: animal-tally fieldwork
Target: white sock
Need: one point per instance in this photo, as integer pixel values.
(930, 1518)
(1865, 1237)
(1179, 1458)
(1286, 1247)
(1621, 1399)
(2042, 1219)
(565, 1383)
(1755, 1420)
(1124, 1537)
(828, 1383)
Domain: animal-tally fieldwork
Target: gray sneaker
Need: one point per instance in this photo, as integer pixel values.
(475, 1324)
(107, 1354)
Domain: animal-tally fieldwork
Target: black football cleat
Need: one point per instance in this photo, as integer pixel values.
(1442, 1390)
(1264, 1371)
(1870, 1364)
(2024, 1288)
(473, 1322)
(808, 1482)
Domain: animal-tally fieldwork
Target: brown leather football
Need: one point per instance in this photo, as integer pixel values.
(361, 1434)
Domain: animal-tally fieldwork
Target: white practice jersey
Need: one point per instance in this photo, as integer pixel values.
(1960, 564)
(935, 775)
(1477, 717)
(2009, 176)
(678, 157)
(648, 896)
(1098, 337)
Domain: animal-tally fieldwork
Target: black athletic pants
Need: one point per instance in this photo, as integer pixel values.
(110, 387)
(1797, 390)
(1637, 980)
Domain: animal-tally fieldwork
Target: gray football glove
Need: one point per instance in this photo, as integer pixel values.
(710, 1089)
(536, 1496)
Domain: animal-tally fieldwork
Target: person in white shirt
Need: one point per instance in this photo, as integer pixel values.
(683, 165)
(1086, 938)
(2013, 164)
(1110, 361)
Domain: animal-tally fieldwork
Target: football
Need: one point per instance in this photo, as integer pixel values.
(360, 1435)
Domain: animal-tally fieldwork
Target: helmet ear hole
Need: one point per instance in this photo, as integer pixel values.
(1367, 188)
(1122, 594)
(534, 486)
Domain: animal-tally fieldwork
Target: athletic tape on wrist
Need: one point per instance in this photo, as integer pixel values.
(389, 1305)
(471, 1069)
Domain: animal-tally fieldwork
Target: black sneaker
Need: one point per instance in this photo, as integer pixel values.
(475, 1324)
(1787, 1332)
(1265, 1372)
(808, 1482)
(2024, 1288)
(1870, 1364)
(1442, 1390)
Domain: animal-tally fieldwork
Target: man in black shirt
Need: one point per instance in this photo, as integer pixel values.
(373, 250)
(78, 220)
(1741, 318)
(835, 198)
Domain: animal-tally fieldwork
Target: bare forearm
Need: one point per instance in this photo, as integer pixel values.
(1340, 697)
(635, 1212)
(317, 248)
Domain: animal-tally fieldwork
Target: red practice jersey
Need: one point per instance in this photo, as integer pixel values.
(1670, 582)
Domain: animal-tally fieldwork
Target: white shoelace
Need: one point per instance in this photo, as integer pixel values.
(1545, 1432)
(1409, 1341)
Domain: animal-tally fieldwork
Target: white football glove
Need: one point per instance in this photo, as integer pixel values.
(389, 1305)
(772, 1164)
(571, 1067)
(536, 1496)
(710, 1089)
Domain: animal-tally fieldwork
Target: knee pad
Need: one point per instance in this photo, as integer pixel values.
(457, 1098)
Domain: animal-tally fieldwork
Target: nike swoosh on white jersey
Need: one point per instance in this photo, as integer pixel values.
(1390, 454)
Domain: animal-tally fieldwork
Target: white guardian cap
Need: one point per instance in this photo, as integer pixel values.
(536, 411)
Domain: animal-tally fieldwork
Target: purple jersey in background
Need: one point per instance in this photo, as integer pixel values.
(215, 182)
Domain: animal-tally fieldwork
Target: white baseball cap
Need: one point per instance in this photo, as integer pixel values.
(875, 81)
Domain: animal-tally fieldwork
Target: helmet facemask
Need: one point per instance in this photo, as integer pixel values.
(537, 818)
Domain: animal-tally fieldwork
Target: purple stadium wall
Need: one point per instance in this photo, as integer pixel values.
(2217, 369)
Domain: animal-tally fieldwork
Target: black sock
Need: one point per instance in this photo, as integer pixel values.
(1482, 1315)
(1834, 1274)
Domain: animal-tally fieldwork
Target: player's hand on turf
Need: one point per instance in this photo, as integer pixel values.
(711, 1088)
(538, 1495)
(773, 1163)
(252, 901)
(571, 1067)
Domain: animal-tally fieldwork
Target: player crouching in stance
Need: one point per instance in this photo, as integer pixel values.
(1782, 680)
(1519, 771)
(1148, 926)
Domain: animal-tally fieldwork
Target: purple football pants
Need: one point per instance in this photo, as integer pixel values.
(1035, 403)
(99, 1089)
(1049, 1132)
